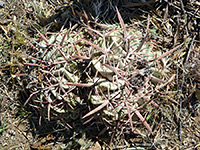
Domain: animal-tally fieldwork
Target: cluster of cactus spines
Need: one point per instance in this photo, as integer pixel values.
(109, 71)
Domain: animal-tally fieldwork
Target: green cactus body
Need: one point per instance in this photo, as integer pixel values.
(110, 66)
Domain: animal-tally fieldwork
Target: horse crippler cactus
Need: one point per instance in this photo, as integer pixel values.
(85, 74)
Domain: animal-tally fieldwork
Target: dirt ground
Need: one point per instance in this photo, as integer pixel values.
(19, 124)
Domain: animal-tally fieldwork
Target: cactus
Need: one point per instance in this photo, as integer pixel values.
(81, 72)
